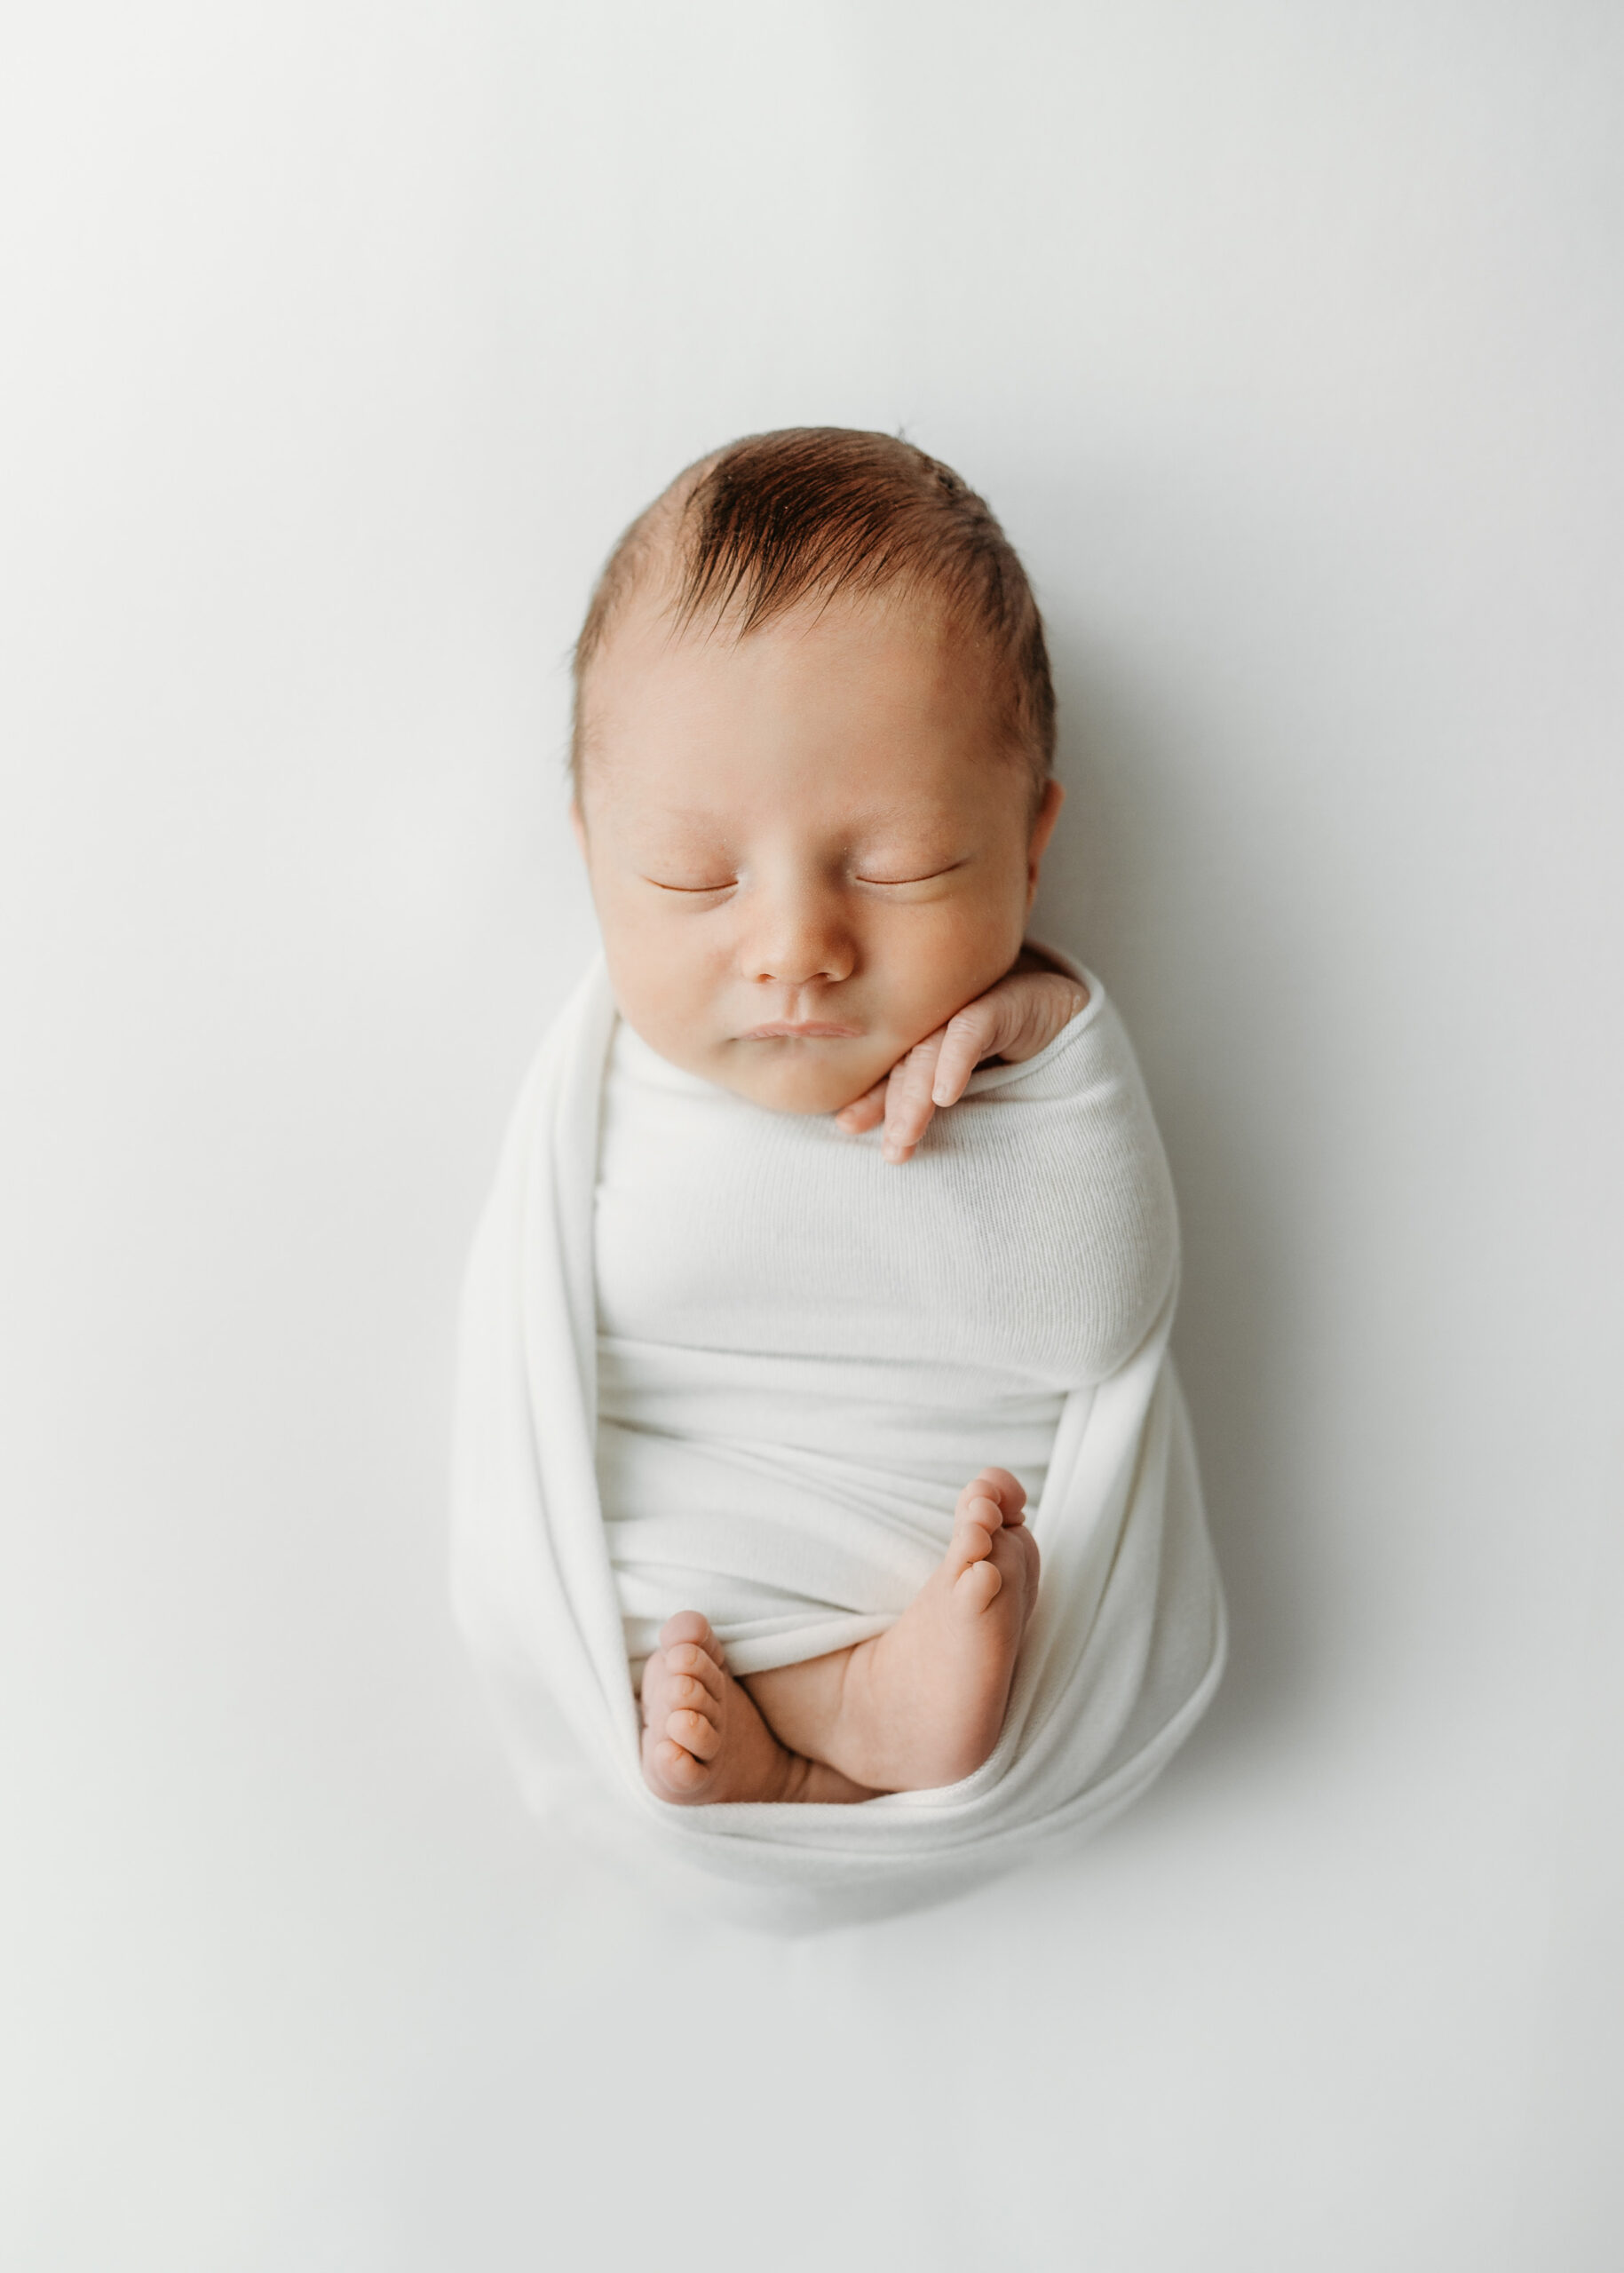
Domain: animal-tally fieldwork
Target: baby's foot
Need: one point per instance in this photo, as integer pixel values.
(703, 1739)
(923, 1702)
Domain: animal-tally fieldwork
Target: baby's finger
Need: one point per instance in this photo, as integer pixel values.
(907, 1098)
(969, 1037)
(866, 1112)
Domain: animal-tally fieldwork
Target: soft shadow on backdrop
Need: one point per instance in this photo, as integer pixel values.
(1287, 341)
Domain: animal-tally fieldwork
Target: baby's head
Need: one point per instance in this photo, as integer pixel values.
(813, 731)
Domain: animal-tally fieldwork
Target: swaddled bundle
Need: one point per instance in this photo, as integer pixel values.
(720, 1358)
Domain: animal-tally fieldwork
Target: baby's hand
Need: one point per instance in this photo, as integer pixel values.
(1013, 1021)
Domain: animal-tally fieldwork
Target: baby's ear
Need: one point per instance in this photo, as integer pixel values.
(1042, 829)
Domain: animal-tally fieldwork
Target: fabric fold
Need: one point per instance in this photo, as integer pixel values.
(1126, 1642)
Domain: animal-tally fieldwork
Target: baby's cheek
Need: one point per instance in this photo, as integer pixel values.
(960, 968)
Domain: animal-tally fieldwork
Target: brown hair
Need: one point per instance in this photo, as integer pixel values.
(774, 519)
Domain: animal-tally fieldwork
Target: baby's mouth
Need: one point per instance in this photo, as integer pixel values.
(810, 1030)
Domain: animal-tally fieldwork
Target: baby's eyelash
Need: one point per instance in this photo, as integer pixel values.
(929, 877)
(880, 884)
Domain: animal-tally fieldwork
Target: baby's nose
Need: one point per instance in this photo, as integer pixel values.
(799, 940)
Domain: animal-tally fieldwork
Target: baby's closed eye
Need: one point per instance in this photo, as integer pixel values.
(880, 875)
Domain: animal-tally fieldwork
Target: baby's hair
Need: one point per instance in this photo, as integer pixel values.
(811, 511)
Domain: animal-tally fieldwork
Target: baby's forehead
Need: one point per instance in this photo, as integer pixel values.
(904, 647)
(865, 702)
(705, 813)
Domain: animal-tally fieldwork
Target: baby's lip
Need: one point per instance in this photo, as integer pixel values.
(810, 1030)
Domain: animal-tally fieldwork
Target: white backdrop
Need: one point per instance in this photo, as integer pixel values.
(1286, 336)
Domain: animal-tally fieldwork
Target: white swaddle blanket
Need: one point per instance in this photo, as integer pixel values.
(720, 1358)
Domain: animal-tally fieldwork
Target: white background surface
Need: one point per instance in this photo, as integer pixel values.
(1287, 340)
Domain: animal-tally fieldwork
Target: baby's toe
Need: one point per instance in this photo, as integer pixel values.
(691, 1626)
(976, 1520)
(675, 1768)
(683, 1692)
(1010, 1493)
(686, 1663)
(978, 1586)
(696, 1732)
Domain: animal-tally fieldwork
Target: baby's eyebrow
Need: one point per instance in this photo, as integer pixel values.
(912, 816)
(688, 819)
(878, 817)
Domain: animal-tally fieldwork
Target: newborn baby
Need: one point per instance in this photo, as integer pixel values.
(814, 730)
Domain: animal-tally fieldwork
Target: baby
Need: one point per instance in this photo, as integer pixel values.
(814, 730)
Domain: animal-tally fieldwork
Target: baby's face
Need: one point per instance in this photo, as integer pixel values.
(805, 849)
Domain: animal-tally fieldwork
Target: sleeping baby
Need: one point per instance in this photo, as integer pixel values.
(877, 1196)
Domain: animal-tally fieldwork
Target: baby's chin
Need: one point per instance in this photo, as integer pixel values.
(801, 1076)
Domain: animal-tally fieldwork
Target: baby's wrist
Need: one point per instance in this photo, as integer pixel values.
(1052, 998)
